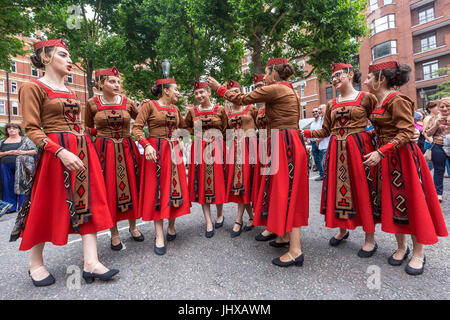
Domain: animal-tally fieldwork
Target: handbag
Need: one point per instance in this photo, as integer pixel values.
(428, 153)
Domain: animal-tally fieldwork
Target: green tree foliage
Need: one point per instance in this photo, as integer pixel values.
(443, 88)
(85, 24)
(15, 20)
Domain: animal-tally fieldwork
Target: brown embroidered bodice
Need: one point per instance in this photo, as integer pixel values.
(261, 119)
(244, 119)
(50, 110)
(110, 120)
(344, 118)
(161, 120)
(213, 119)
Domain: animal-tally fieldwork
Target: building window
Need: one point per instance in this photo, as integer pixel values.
(383, 23)
(2, 85)
(15, 108)
(429, 70)
(329, 92)
(426, 15)
(70, 78)
(338, 93)
(373, 5)
(14, 87)
(428, 42)
(2, 107)
(34, 72)
(384, 49)
(13, 66)
(385, 2)
(302, 90)
(304, 111)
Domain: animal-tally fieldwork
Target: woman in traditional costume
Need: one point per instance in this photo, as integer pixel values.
(163, 187)
(68, 193)
(108, 117)
(241, 158)
(283, 203)
(208, 123)
(349, 189)
(409, 203)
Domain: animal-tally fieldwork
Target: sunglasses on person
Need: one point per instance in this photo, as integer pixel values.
(337, 75)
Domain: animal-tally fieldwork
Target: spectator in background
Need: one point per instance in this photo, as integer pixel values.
(438, 129)
(323, 143)
(316, 125)
(433, 112)
(17, 165)
(418, 124)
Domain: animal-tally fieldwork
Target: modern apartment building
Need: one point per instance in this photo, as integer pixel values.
(414, 32)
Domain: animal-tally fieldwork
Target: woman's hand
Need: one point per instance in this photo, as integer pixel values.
(416, 136)
(70, 161)
(213, 84)
(150, 153)
(372, 158)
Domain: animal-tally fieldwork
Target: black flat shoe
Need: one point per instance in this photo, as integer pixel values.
(218, 225)
(367, 254)
(117, 247)
(298, 262)
(261, 237)
(171, 237)
(335, 242)
(160, 251)
(138, 238)
(394, 262)
(89, 277)
(44, 282)
(415, 272)
(248, 228)
(209, 234)
(235, 234)
(276, 244)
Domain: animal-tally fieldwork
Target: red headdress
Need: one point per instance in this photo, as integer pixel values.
(258, 78)
(382, 66)
(165, 81)
(107, 72)
(232, 84)
(50, 43)
(339, 66)
(200, 85)
(275, 61)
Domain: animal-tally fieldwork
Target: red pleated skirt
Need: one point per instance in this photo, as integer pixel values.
(48, 218)
(283, 195)
(149, 185)
(419, 197)
(247, 164)
(362, 189)
(196, 173)
(106, 150)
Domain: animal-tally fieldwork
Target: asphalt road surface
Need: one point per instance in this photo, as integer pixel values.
(223, 268)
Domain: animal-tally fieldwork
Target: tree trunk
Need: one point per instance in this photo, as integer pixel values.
(256, 57)
(90, 83)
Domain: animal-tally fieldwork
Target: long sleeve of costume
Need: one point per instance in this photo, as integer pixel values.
(140, 122)
(263, 94)
(89, 122)
(403, 117)
(132, 109)
(31, 98)
(188, 122)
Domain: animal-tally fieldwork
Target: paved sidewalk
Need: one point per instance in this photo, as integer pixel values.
(223, 268)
